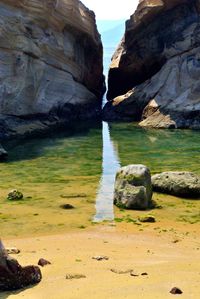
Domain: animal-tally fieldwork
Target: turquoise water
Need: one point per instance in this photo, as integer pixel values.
(86, 163)
(79, 166)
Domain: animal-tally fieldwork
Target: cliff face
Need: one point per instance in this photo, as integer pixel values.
(155, 72)
(50, 63)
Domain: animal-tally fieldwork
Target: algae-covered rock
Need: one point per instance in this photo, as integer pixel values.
(133, 189)
(181, 184)
(15, 195)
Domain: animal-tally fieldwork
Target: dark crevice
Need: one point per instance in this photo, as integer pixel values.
(144, 50)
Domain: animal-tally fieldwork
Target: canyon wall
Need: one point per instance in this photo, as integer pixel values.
(154, 76)
(51, 66)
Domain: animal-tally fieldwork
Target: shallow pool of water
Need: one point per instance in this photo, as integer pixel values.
(80, 169)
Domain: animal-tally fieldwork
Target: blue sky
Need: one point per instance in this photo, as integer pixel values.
(112, 9)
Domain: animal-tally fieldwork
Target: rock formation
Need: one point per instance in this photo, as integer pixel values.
(181, 184)
(13, 276)
(51, 64)
(3, 153)
(133, 188)
(154, 76)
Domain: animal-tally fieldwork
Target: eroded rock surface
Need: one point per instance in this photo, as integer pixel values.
(51, 64)
(133, 189)
(3, 153)
(154, 74)
(182, 184)
(13, 276)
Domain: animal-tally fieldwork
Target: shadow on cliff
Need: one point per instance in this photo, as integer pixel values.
(33, 147)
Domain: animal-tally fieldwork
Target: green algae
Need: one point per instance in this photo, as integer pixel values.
(50, 171)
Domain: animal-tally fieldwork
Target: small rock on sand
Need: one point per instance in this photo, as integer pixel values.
(75, 276)
(42, 262)
(121, 271)
(100, 258)
(176, 291)
(13, 250)
(148, 218)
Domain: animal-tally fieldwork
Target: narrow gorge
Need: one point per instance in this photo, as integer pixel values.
(98, 203)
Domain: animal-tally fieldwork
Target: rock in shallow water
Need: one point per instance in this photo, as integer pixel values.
(67, 206)
(133, 189)
(181, 184)
(15, 195)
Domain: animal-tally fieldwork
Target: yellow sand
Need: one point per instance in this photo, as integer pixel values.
(169, 259)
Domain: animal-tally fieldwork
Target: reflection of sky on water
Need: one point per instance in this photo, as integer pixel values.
(110, 164)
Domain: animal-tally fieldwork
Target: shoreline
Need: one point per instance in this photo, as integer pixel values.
(147, 251)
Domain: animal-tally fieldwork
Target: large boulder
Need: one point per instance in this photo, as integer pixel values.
(181, 184)
(133, 189)
(51, 64)
(154, 76)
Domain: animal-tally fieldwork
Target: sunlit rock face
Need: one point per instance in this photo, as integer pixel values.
(50, 58)
(154, 76)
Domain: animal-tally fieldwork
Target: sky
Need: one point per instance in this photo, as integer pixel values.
(112, 9)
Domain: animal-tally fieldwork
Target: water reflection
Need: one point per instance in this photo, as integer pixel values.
(110, 164)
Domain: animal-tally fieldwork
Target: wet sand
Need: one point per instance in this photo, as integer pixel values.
(171, 260)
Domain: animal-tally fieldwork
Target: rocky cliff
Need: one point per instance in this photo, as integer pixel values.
(154, 76)
(50, 64)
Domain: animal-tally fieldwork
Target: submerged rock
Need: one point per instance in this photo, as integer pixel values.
(181, 184)
(52, 68)
(67, 206)
(15, 195)
(133, 189)
(154, 74)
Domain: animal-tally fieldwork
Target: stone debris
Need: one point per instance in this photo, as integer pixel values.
(75, 276)
(13, 250)
(176, 291)
(100, 258)
(128, 271)
(42, 262)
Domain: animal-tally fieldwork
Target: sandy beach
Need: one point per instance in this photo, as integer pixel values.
(169, 260)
